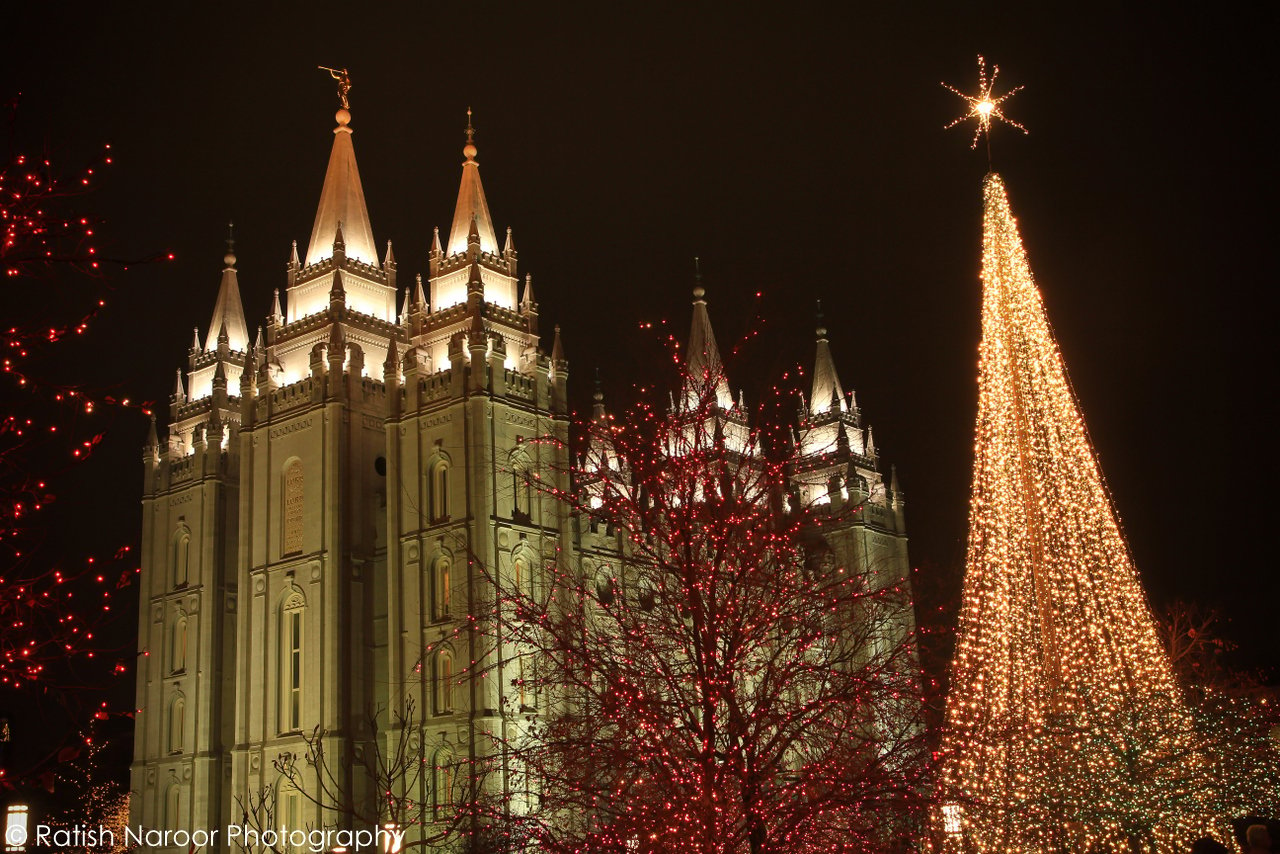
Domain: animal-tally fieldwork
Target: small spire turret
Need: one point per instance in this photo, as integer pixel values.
(389, 265)
(557, 348)
(527, 301)
(339, 244)
(337, 294)
(392, 363)
(419, 296)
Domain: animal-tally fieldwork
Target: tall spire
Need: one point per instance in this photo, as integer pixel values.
(471, 203)
(827, 392)
(228, 311)
(342, 201)
(702, 361)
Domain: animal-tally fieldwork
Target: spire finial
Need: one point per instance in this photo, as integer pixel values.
(822, 327)
(698, 291)
(469, 150)
(230, 258)
(598, 394)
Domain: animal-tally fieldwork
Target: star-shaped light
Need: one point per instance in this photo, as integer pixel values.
(985, 105)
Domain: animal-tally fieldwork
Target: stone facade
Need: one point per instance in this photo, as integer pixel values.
(314, 520)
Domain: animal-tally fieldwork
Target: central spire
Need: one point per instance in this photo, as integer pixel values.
(228, 312)
(703, 363)
(342, 202)
(827, 393)
(471, 206)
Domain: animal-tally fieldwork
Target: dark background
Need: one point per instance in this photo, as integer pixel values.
(798, 149)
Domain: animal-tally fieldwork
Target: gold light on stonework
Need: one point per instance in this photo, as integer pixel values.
(1065, 727)
(985, 105)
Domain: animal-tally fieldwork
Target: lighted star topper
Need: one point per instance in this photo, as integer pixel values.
(985, 105)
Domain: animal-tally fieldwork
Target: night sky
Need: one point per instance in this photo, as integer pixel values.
(798, 150)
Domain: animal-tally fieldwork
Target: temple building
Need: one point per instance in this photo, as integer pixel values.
(323, 489)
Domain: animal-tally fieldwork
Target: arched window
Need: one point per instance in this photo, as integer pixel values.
(178, 645)
(177, 723)
(441, 587)
(526, 689)
(604, 586)
(520, 574)
(521, 485)
(442, 678)
(181, 557)
(292, 502)
(647, 598)
(438, 490)
(173, 807)
(289, 807)
(443, 793)
(291, 650)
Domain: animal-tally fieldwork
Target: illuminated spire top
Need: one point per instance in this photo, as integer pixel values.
(342, 201)
(703, 360)
(826, 383)
(471, 203)
(228, 312)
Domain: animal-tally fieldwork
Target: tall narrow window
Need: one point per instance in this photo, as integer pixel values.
(439, 491)
(521, 486)
(520, 575)
(177, 723)
(526, 689)
(291, 648)
(173, 807)
(178, 646)
(181, 558)
(290, 808)
(442, 587)
(442, 673)
(443, 793)
(291, 509)
(604, 586)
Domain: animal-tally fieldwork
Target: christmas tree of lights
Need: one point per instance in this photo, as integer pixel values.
(1065, 727)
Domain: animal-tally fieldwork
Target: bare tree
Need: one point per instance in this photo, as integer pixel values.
(390, 783)
(726, 682)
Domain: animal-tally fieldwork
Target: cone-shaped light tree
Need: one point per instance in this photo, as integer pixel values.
(1065, 728)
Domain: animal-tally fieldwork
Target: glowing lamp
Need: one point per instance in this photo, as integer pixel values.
(17, 827)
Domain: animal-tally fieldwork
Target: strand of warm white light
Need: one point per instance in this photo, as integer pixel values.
(1065, 726)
